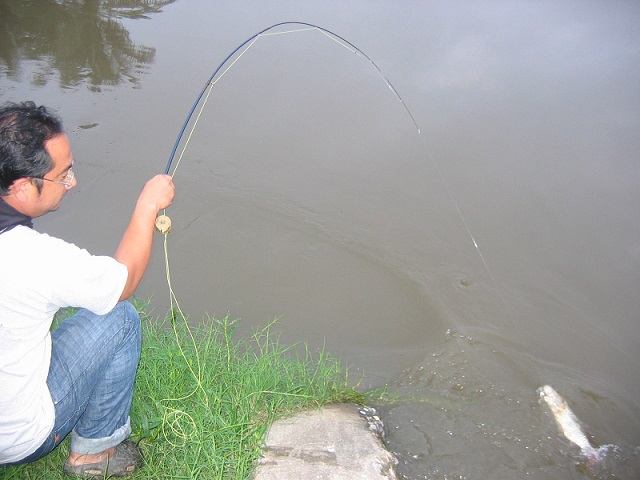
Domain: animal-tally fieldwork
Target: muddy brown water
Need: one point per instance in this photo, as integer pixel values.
(463, 266)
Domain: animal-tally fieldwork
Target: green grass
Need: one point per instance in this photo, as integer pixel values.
(204, 399)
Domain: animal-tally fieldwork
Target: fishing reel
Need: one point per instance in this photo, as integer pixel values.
(163, 224)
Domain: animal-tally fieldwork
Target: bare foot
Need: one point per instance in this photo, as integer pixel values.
(82, 459)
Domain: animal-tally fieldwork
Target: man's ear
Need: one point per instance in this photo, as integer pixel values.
(20, 189)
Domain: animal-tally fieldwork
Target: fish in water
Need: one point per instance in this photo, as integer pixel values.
(568, 423)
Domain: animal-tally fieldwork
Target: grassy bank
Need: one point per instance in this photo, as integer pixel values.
(204, 399)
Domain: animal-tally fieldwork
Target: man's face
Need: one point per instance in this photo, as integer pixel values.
(59, 149)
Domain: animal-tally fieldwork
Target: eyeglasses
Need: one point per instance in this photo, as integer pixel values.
(68, 179)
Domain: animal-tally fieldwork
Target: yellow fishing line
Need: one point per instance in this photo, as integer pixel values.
(206, 99)
(173, 418)
(178, 422)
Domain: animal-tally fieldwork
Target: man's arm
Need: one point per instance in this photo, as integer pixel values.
(134, 250)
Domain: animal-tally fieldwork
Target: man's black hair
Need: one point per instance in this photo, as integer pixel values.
(24, 129)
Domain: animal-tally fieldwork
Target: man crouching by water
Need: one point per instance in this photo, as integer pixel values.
(78, 379)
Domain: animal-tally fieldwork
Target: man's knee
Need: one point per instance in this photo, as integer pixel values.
(130, 317)
(129, 311)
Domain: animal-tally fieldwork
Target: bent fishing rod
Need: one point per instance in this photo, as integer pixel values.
(163, 223)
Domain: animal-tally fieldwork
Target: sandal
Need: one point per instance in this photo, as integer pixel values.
(124, 461)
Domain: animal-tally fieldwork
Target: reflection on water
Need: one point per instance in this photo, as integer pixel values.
(83, 41)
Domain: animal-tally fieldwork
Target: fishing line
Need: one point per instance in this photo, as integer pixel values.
(163, 223)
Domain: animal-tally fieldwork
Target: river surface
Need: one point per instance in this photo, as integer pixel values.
(462, 253)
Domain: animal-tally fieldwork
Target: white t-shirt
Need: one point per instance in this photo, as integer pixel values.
(40, 274)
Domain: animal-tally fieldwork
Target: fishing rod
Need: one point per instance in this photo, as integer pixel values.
(163, 222)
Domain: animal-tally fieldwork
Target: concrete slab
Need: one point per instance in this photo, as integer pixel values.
(336, 442)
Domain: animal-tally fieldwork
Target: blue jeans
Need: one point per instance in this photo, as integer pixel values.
(94, 360)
